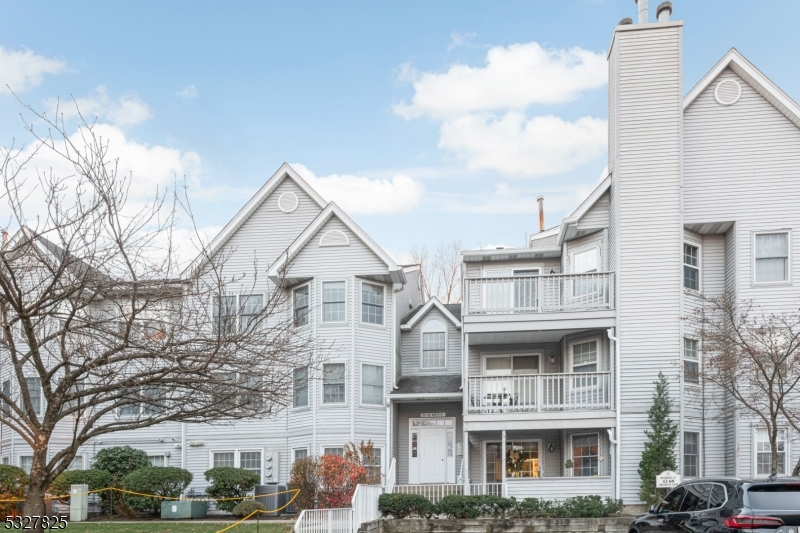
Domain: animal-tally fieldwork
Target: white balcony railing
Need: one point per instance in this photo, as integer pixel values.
(540, 294)
(540, 392)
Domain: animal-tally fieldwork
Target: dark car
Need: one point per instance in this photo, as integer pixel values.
(711, 505)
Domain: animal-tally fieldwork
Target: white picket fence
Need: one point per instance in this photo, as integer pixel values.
(364, 508)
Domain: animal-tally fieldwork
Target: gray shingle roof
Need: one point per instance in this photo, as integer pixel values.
(428, 384)
(454, 309)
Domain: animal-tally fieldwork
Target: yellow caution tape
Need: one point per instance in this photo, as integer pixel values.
(157, 496)
(296, 493)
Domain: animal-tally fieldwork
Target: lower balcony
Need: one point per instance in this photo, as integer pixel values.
(539, 392)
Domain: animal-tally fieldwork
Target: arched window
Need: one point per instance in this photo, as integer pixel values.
(434, 342)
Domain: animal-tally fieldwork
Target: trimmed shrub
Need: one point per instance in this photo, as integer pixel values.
(13, 482)
(303, 477)
(229, 482)
(535, 508)
(338, 478)
(166, 481)
(247, 507)
(461, 507)
(497, 507)
(95, 479)
(119, 461)
(405, 505)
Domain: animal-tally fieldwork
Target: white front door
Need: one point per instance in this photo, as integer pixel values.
(432, 464)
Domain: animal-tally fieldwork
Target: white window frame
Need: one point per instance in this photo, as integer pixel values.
(684, 359)
(361, 386)
(422, 343)
(572, 451)
(498, 355)
(699, 454)
(322, 320)
(583, 249)
(308, 389)
(787, 451)
(237, 457)
(309, 314)
(41, 395)
(238, 306)
(5, 460)
(361, 308)
(163, 457)
(699, 266)
(322, 385)
(788, 279)
(295, 450)
(329, 446)
(513, 441)
(571, 352)
(19, 462)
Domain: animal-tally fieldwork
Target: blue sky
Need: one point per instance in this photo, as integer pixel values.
(427, 121)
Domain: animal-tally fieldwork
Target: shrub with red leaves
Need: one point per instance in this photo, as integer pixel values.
(338, 478)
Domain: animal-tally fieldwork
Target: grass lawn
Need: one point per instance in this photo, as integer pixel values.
(172, 527)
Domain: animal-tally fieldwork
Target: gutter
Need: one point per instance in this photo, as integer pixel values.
(426, 396)
(617, 373)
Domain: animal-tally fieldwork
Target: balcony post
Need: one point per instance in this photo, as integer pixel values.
(465, 463)
(539, 293)
(539, 392)
(503, 465)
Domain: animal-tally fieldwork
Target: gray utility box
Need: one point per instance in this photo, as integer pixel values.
(174, 510)
(78, 503)
(266, 494)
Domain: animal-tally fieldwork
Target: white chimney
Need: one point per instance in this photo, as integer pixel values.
(644, 12)
(663, 11)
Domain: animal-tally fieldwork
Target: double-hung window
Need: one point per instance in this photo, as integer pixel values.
(585, 456)
(249, 460)
(691, 267)
(299, 453)
(771, 257)
(691, 454)
(250, 311)
(372, 462)
(25, 463)
(333, 301)
(584, 357)
(764, 452)
(300, 387)
(220, 459)
(434, 337)
(333, 383)
(584, 262)
(223, 312)
(157, 460)
(333, 450)
(301, 301)
(371, 304)
(35, 392)
(154, 400)
(691, 360)
(372, 385)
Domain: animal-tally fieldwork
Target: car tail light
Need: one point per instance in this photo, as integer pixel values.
(744, 521)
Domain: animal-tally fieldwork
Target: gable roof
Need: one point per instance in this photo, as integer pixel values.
(285, 171)
(425, 386)
(754, 77)
(451, 311)
(568, 226)
(394, 273)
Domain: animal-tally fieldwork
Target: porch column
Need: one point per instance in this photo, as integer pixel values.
(465, 463)
(503, 465)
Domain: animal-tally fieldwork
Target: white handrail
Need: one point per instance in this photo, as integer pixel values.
(539, 392)
(391, 477)
(365, 504)
(324, 521)
(536, 294)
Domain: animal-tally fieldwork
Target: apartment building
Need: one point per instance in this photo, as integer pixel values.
(538, 383)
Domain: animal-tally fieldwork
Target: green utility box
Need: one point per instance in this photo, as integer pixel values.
(174, 510)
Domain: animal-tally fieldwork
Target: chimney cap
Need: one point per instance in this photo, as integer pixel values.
(540, 198)
(662, 6)
(625, 21)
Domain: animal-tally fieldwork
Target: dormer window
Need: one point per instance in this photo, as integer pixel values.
(434, 340)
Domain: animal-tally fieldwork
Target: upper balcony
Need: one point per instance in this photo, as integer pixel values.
(539, 302)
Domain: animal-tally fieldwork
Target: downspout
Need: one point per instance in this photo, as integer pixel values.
(183, 445)
(389, 455)
(617, 403)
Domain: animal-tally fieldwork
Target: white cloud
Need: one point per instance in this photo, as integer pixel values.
(514, 78)
(23, 69)
(516, 145)
(189, 93)
(362, 195)
(460, 39)
(125, 111)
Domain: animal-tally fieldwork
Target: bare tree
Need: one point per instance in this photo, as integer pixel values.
(441, 271)
(99, 333)
(753, 358)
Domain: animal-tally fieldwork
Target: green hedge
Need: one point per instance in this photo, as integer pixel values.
(471, 507)
(247, 507)
(228, 482)
(166, 481)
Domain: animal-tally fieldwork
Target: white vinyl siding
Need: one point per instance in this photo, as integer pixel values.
(371, 385)
(771, 258)
(333, 383)
(334, 301)
(691, 267)
(372, 304)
